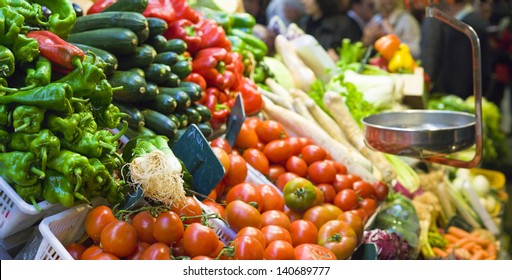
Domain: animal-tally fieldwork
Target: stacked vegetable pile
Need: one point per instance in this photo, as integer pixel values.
(55, 108)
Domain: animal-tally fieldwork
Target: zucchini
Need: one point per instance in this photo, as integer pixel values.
(182, 99)
(157, 26)
(118, 41)
(182, 68)
(162, 103)
(111, 62)
(205, 128)
(128, 6)
(136, 22)
(134, 86)
(167, 58)
(171, 81)
(131, 133)
(193, 115)
(141, 58)
(152, 90)
(205, 113)
(138, 71)
(135, 118)
(157, 72)
(175, 45)
(174, 118)
(159, 42)
(194, 91)
(183, 119)
(159, 123)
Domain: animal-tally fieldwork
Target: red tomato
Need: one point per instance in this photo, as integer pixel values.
(381, 190)
(247, 248)
(285, 178)
(272, 233)
(320, 215)
(212, 195)
(191, 208)
(364, 189)
(360, 213)
(329, 192)
(270, 130)
(260, 146)
(201, 258)
(219, 189)
(257, 159)
(347, 200)
(313, 153)
(221, 143)
(293, 215)
(223, 158)
(220, 249)
(240, 214)
(237, 171)
(339, 237)
(279, 250)
(168, 228)
(91, 251)
(143, 222)
(247, 138)
(215, 207)
(252, 122)
(310, 251)
(275, 217)
(321, 172)
(303, 231)
(254, 232)
(274, 171)
(320, 199)
(119, 238)
(104, 256)
(297, 165)
(296, 144)
(157, 251)
(75, 250)
(342, 182)
(354, 221)
(199, 240)
(278, 151)
(304, 141)
(271, 197)
(178, 249)
(97, 219)
(139, 249)
(354, 178)
(369, 205)
(340, 167)
(246, 192)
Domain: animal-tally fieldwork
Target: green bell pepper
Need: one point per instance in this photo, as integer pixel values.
(27, 118)
(5, 138)
(72, 165)
(66, 127)
(100, 175)
(57, 188)
(86, 122)
(7, 61)
(25, 49)
(5, 115)
(90, 144)
(41, 75)
(20, 141)
(30, 193)
(63, 16)
(45, 145)
(19, 168)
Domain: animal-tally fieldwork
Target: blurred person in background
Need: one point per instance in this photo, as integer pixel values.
(360, 13)
(289, 11)
(392, 18)
(257, 9)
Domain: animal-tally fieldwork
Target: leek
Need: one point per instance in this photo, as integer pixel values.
(405, 174)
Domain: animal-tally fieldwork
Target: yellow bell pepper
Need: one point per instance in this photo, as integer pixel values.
(402, 61)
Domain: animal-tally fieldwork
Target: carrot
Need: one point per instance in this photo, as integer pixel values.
(491, 248)
(478, 255)
(450, 238)
(482, 241)
(458, 232)
(469, 246)
(440, 252)
(463, 241)
(490, 257)
(476, 248)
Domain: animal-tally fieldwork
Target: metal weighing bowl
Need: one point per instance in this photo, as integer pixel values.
(420, 133)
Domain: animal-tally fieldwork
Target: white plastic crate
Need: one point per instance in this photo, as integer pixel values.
(17, 215)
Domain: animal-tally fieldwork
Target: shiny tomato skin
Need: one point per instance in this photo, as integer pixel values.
(254, 232)
(329, 192)
(339, 237)
(364, 189)
(275, 217)
(313, 153)
(320, 215)
(342, 182)
(319, 197)
(270, 130)
(257, 159)
(369, 205)
(381, 190)
(272, 233)
(303, 231)
(223, 157)
(91, 251)
(199, 240)
(354, 221)
(201, 258)
(309, 251)
(360, 213)
(299, 194)
(137, 253)
(247, 138)
(246, 192)
(143, 222)
(274, 171)
(96, 220)
(104, 256)
(168, 228)
(284, 178)
(354, 177)
(272, 198)
(190, 208)
(75, 250)
(247, 248)
(216, 207)
(222, 143)
(119, 238)
(253, 122)
(296, 145)
(340, 167)
(278, 151)
(347, 200)
(321, 172)
(240, 214)
(297, 165)
(293, 215)
(157, 251)
(279, 250)
(237, 171)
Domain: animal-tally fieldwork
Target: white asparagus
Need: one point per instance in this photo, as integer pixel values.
(278, 89)
(300, 108)
(278, 100)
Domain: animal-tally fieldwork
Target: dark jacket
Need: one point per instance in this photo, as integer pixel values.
(327, 30)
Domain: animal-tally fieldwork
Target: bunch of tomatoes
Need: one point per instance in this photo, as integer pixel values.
(311, 203)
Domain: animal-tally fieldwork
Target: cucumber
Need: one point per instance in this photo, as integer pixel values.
(158, 42)
(135, 118)
(171, 81)
(183, 119)
(111, 62)
(175, 45)
(152, 90)
(194, 91)
(205, 113)
(193, 116)
(118, 41)
(206, 129)
(159, 123)
(157, 26)
(134, 86)
(174, 118)
(182, 99)
(127, 5)
(157, 72)
(162, 103)
(136, 22)
(139, 71)
(167, 58)
(182, 68)
(141, 58)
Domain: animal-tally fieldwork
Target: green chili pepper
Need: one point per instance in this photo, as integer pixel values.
(63, 16)
(32, 12)
(7, 59)
(243, 20)
(11, 24)
(25, 49)
(86, 122)
(108, 116)
(100, 175)
(72, 165)
(20, 168)
(238, 45)
(66, 127)
(111, 161)
(54, 96)
(45, 145)
(27, 118)
(20, 141)
(57, 188)
(5, 138)
(4, 86)
(252, 43)
(258, 75)
(114, 191)
(90, 144)
(30, 193)
(83, 79)
(41, 75)
(5, 115)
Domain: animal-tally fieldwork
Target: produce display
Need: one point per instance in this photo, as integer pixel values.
(95, 98)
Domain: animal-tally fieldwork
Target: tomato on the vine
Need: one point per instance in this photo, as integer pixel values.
(338, 237)
(143, 222)
(240, 214)
(299, 194)
(139, 249)
(168, 228)
(303, 231)
(119, 238)
(309, 251)
(190, 211)
(157, 251)
(97, 219)
(199, 240)
(216, 207)
(279, 250)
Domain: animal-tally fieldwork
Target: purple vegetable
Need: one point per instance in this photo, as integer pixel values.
(390, 246)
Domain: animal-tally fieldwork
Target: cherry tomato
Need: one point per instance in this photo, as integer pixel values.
(240, 214)
(119, 238)
(304, 141)
(279, 250)
(272, 233)
(342, 182)
(96, 220)
(360, 213)
(237, 171)
(354, 221)
(139, 249)
(278, 151)
(104, 256)
(223, 158)
(143, 222)
(297, 165)
(338, 237)
(354, 178)
(340, 167)
(257, 159)
(308, 251)
(246, 192)
(260, 146)
(157, 251)
(199, 240)
(75, 250)
(369, 205)
(201, 258)
(271, 197)
(216, 207)
(191, 208)
(275, 217)
(270, 130)
(313, 153)
(252, 122)
(221, 143)
(284, 178)
(321, 172)
(320, 215)
(91, 251)
(329, 192)
(274, 171)
(364, 189)
(296, 144)
(247, 248)
(381, 190)
(303, 231)
(254, 232)
(247, 138)
(168, 228)
(346, 200)
(299, 194)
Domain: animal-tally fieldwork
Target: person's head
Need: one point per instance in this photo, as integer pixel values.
(386, 7)
(454, 6)
(292, 10)
(365, 9)
(319, 8)
(484, 8)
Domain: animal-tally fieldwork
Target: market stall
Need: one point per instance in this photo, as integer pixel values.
(137, 129)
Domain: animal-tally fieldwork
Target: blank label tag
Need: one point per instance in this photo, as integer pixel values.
(235, 120)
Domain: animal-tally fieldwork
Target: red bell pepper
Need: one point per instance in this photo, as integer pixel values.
(185, 30)
(162, 9)
(196, 78)
(99, 5)
(253, 102)
(212, 64)
(213, 35)
(237, 67)
(219, 112)
(60, 53)
(183, 11)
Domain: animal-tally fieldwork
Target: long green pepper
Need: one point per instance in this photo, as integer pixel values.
(33, 13)
(19, 168)
(65, 127)
(63, 16)
(25, 49)
(57, 188)
(41, 75)
(54, 96)
(27, 118)
(7, 62)
(45, 146)
(30, 193)
(5, 115)
(11, 24)
(72, 165)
